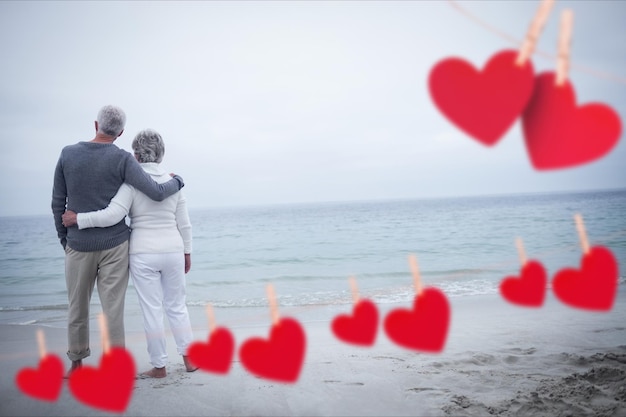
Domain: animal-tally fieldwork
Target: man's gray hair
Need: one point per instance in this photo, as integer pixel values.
(148, 146)
(111, 121)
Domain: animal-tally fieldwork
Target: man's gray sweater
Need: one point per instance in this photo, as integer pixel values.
(87, 176)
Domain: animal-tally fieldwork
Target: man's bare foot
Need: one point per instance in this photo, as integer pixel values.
(153, 373)
(75, 365)
(188, 365)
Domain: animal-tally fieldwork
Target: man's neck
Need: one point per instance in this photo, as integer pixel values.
(102, 138)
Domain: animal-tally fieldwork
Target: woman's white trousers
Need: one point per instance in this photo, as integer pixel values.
(159, 279)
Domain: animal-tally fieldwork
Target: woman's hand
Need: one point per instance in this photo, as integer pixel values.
(68, 218)
(187, 262)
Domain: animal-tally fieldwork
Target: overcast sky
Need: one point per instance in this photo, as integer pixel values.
(286, 102)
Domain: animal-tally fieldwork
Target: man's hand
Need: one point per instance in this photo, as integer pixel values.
(178, 178)
(187, 262)
(68, 218)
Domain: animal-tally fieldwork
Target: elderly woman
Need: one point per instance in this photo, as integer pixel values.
(159, 253)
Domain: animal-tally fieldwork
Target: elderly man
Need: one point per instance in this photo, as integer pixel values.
(87, 176)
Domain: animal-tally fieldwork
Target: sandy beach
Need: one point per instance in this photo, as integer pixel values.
(499, 359)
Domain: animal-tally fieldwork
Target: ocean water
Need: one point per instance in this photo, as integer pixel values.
(464, 246)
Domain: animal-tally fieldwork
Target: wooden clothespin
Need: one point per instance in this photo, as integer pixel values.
(580, 226)
(532, 36)
(271, 296)
(104, 333)
(417, 282)
(565, 39)
(211, 318)
(520, 250)
(354, 289)
(41, 343)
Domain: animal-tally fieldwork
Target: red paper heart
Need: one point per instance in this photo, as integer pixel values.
(108, 387)
(43, 383)
(216, 355)
(484, 104)
(360, 327)
(423, 328)
(281, 357)
(527, 290)
(594, 286)
(559, 134)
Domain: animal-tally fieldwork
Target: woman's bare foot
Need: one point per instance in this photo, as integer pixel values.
(153, 373)
(188, 365)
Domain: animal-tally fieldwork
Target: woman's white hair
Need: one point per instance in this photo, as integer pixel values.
(148, 146)
(111, 121)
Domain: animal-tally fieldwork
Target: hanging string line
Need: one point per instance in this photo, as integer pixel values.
(518, 42)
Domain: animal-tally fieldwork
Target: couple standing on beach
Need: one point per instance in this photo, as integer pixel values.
(103, 184)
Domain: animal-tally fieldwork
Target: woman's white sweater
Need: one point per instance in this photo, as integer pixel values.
(156, 227)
